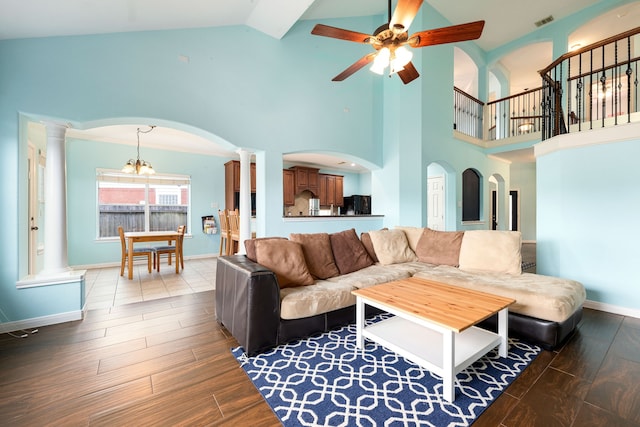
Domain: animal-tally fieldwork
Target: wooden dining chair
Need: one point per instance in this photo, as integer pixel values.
(224, 232)
(234, 232)
(170, 249)
(138, 251)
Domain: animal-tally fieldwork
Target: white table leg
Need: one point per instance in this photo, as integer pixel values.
(448, 362)
(359, 322)
(503, 331)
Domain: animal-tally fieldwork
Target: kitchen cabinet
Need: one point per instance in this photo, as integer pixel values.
(305, 179)
(339, 191)
(232, 183)
(330, 190)
(288, 187)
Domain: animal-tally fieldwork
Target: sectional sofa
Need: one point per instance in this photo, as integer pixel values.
(286, 289)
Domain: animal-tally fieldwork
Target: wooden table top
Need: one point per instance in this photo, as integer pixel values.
(449, 306)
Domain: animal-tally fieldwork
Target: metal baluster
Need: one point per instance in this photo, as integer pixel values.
(579, 99)
(615, 81)
(628, 72)
(591, 91)
(603, 80)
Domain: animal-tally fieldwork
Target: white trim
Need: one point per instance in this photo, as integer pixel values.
(37, 322)
(585, 138)
(61, 278)
(614, 309)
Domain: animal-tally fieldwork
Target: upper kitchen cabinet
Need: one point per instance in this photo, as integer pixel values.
(232, 183)
(288, 187)
(232, 175)
(305, 179)
(330, 190)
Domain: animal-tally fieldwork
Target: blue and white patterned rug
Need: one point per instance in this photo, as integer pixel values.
(325, 381)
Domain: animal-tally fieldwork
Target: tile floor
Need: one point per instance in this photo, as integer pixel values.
(105, 287)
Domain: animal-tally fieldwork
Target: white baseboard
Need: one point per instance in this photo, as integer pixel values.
(37, 322)
(614, 309)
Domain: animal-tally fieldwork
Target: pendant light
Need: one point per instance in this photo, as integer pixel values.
(139, 167)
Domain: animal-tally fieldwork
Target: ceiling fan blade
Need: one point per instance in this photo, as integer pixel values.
(455, 33)
(355, 67)
(339, 33)
(405, 11)
(409, 73)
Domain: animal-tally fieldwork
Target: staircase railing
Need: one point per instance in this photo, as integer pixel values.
(598, 84)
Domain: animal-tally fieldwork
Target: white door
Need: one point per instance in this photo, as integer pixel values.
(435, 203)
(33, 209)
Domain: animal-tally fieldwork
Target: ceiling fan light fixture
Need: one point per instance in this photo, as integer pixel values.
(381, 61)
(403, 55)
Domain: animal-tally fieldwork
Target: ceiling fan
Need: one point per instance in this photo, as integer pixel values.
(389, 41)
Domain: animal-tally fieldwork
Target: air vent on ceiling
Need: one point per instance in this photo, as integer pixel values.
(546, 20)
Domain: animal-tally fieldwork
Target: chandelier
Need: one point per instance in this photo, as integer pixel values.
(139, 167)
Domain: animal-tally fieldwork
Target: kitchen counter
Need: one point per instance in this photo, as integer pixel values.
(329, 217)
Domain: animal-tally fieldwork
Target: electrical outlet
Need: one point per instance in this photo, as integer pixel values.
(214, 205)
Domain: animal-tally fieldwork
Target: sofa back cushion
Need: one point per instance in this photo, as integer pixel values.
(413, 235)
(349, 252)
(365, 238)
(286, 259)
(318, 254)
(392, 246)
(250, 246)
(439, 247)
(491, 250)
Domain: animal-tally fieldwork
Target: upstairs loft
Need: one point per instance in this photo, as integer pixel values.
(589, 88)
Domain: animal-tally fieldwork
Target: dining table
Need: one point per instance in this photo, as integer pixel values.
(134, 237)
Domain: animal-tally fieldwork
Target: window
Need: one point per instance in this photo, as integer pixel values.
(470, 195)
(141, 203)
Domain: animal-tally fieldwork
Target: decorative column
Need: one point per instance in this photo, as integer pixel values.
(245, 198)
(55, 196)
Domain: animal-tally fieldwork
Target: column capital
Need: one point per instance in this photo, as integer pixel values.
(53, 127)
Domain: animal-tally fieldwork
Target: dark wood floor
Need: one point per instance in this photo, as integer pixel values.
(167, 362)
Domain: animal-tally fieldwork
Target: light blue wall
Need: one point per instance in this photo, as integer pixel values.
(587, 216)
(83, 157)
(523, 179)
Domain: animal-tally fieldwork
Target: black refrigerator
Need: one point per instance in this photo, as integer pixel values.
(357, 204)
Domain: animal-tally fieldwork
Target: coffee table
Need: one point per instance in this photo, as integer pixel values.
(433, 324)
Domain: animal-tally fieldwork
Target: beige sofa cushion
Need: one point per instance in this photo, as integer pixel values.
(392, 246)
(491, 250)
(286, 260)
(413, 235)
(543, 297)
(321, 297)
(318, 254)
(439, 247)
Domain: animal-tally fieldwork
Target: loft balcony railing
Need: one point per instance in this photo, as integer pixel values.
(467, 113)
(515, 115)
(507, 117)
(595, 86)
